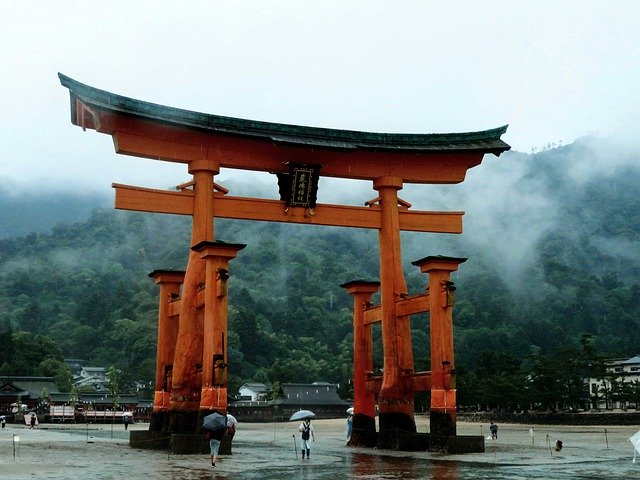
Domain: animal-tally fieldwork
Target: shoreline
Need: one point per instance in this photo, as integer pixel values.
(60, 451)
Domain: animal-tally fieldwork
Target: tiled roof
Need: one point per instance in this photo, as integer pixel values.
(487, 141)
(309, 394)
(256, 387)
(32, 385)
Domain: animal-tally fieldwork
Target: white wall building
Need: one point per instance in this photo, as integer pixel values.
(257, 391)
(618, 371)
(95, 377)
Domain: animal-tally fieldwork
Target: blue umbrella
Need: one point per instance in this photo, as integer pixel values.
(214, 422)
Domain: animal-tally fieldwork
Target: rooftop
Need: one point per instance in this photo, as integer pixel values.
(487, 140)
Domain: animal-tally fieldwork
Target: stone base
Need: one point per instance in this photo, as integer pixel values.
(363, 431)
(396, 431)
(149, 440)
(185, 444)
(177, 443)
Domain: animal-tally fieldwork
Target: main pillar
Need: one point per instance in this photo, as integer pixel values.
(395, 403)
(187, 369)
(442, 416)
(364, 422)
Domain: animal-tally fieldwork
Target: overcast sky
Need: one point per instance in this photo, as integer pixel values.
(553, 70)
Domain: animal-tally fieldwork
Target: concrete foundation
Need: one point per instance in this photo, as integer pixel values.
(177, 431)
(177, 443)
(363, 433)
(396, 431)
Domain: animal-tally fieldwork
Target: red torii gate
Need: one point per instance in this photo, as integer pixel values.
(194, 382)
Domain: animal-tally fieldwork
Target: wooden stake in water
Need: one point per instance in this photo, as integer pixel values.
(295, 446)
(16, 439)
(606, 439)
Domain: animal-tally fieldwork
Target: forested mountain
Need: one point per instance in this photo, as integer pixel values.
(551, 284)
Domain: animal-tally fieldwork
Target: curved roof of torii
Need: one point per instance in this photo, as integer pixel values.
(488, 140)
(114, 110)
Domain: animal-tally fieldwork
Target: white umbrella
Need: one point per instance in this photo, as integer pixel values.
(350, 410)
(127, 414)
(635, 441)
(301, 415)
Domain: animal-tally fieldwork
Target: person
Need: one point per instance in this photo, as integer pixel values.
(306, 432)
(3, 419)
(33, 422)
(349, 427)
(232, 426)
(125, 420)
(215, 438)
(493, 428)
(558, 446)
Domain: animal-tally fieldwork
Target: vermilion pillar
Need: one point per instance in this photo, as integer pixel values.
(187, 369)
(214, 356)
(170, 282)
(364, 425)
(442, 416)
(395, 404)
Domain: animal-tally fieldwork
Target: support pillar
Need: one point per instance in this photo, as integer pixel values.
(364, 422)
(395, 403)
(442, 417)
(214, 356)
(170, 282)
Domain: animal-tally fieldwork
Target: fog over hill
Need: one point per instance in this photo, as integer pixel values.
(552, 240)
(510, 202)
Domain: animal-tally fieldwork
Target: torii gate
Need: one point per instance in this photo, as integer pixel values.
(196, 377)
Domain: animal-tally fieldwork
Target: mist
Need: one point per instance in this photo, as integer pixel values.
(510, 202)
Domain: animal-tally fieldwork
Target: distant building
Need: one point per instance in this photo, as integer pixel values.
(254, 392)
(95, 377)
(30, 390)
(92, 407)
(618, 371)
(319, 397)
(75, 365)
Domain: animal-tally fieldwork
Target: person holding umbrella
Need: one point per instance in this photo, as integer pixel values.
(306, 431)
(215, 425)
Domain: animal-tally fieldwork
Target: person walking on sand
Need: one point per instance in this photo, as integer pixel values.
(306, 432)
(33, 422)
(3, 419)
(125, 420)
(215, 438)
(493, 428)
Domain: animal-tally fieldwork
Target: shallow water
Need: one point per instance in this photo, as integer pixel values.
(264, 452)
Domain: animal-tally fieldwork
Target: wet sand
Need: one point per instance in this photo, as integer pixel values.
(266, 450)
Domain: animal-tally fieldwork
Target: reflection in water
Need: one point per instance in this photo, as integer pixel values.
(365, 466)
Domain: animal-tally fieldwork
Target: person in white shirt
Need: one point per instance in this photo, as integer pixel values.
(306, 434)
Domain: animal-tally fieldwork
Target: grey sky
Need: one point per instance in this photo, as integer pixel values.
(553, 70)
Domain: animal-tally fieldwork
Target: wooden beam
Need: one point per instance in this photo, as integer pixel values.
(404, 307)
(151, 200)
(146, 139)
(241, 208)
